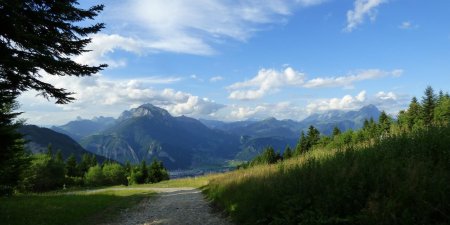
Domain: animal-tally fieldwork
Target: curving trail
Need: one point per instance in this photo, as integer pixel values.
(171, 206)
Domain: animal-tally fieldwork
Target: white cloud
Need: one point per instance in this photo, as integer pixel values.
(407, 25)
(347, 102)
(215, 78)
(271, 80)
(386, 95)
(240, 113)
(102, 44)
(192, 27)
(347, 81)
(267, 80)
(97, 95)
(388, 101)
(280, 110)
(363, 8)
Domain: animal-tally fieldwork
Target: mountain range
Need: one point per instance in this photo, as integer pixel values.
(148, 132)
(39, 138)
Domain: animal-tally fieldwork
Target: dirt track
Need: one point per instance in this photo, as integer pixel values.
(171, 206)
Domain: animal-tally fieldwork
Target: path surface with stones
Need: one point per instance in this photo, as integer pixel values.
(171, 206)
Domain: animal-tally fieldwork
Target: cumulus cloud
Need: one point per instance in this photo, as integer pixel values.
(388, 101)
(347, 81)
(270, 80)
(362, 9)
(386, 95)
(347, 102)
(266, 81)
(97, 95)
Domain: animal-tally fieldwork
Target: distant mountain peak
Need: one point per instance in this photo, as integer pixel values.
(369, 107)
(268, 119)
(145, 110)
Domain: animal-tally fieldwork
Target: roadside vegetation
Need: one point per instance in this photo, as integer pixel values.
(389, 172)
(49, 171)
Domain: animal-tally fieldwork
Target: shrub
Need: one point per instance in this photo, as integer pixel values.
(114, 174)
(94, 176)
(44, 174)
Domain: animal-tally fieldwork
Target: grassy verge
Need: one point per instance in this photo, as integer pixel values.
(57, 209)
(195, 182)
(400, 180)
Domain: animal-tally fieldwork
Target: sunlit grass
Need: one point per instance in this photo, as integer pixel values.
(404, 179)
(194, 182)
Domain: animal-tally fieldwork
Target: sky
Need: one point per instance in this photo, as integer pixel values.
(236, 60)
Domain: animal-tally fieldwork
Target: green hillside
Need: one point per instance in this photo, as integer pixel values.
(390, 172)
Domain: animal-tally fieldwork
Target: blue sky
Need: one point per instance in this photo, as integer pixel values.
(235, 60)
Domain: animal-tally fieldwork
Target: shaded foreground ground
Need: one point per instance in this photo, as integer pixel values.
(171, 206)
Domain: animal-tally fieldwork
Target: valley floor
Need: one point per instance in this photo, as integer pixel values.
(171, 206)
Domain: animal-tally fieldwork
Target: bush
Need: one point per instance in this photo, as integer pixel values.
(136, 177)
(44, 174)
(94, 176)
(157, 172)
(114, 174)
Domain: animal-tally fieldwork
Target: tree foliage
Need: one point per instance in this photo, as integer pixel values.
(42, 37)
(13, 159)
(44, 174)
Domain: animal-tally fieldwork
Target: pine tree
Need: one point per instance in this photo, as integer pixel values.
(287, 154)
(71, 166)
(144, 171)
(93, 161)
(58, 156)
(301, 144)
(428, 105)
(157, 172)
(312, 138)
(414, 113)
(85, 164)
(384, 122)
(13, 159)
(366, 124)
(49, 150)
(337, 131)
(40, 37)
(442, 111)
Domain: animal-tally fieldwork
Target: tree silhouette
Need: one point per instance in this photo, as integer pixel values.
(42, 37)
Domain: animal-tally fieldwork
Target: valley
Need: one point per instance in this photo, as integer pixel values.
(186, 144)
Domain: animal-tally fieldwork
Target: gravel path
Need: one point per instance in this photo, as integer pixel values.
(171, 206)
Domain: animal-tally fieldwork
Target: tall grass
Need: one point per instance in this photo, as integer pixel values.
(403, 179)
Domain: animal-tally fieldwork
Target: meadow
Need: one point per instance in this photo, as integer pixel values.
(402, 179)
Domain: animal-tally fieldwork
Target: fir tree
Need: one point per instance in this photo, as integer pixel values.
(414, 113)
(428, 105)
(58, 156)
(44, 36)
(287, 154)
(13, 159)
(301, 144)
(144, 171)
(337, 131)
(71, 166)
(313, 136)
(384, 122)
